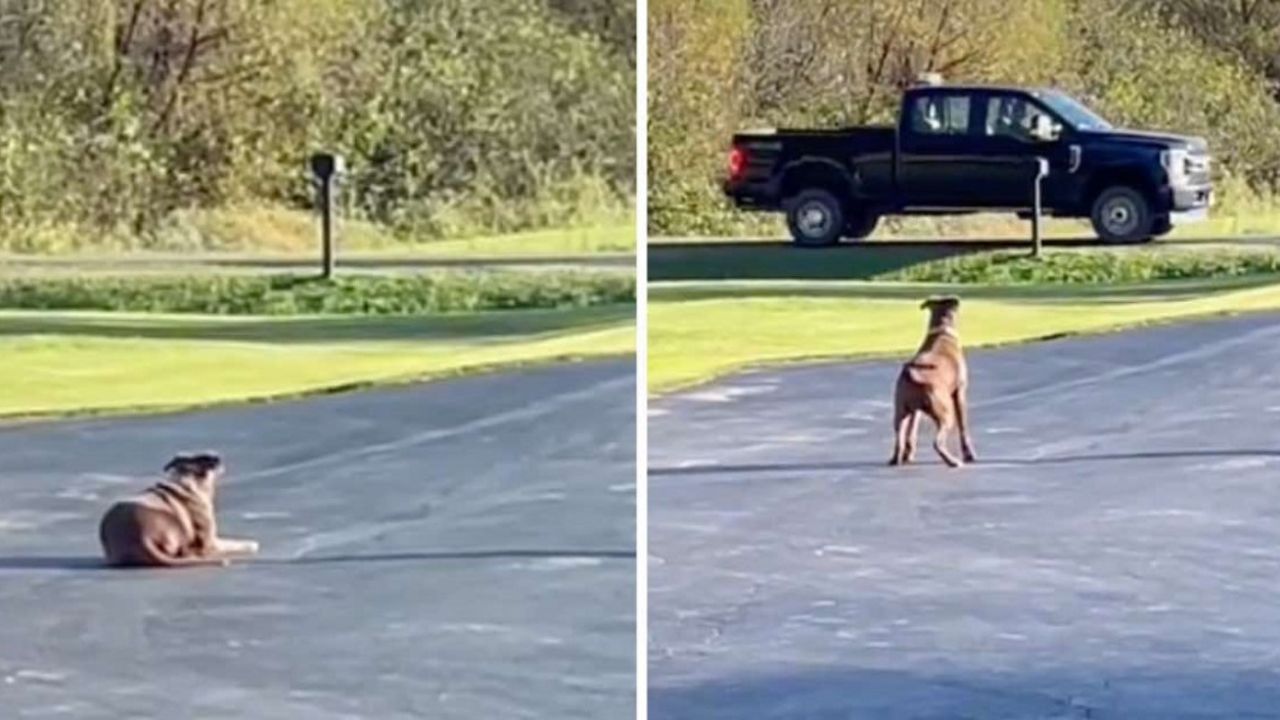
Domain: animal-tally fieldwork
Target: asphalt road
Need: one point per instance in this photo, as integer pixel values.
(462, 549)
(1115, 553)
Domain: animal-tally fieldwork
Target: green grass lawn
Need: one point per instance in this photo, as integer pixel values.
(699, 331)
(71, 363)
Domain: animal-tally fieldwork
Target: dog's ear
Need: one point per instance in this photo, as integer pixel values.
(945, 301)
(201, 464)
(208, 462)
(177, 463)
(207, 458)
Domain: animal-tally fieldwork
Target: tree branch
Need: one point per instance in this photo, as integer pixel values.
(124, 45)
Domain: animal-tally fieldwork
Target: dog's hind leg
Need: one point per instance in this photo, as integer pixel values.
(962, 418)
(913, 435)
(945, 420)
(901, 419)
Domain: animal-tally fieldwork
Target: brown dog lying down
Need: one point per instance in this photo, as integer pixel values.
(934, 383)
(172, 523)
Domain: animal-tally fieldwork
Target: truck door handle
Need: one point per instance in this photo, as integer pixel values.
(1075, 155)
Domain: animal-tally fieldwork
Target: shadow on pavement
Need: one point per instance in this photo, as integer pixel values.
(1075, 692)
(1029, 462)
(455, 555)
(52, 562)
(81, 562)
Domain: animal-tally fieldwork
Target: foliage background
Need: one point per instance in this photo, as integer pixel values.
(1205, 67)
(124, 122)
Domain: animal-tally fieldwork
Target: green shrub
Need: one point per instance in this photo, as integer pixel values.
(119, 120)
(1087, 268)
(725, 65)
(432, 293)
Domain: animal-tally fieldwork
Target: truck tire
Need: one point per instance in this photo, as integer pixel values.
(860, 224)
(1122, 215)
(815, 218)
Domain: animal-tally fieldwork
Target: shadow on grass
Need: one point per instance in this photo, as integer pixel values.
(718, 262)
(925, 456)
(782, 261)
(294, 330)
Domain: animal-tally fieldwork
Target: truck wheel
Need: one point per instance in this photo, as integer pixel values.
(815, 218)
(1122, 215)
(860, 225)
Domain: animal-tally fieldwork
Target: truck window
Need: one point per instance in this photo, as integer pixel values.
(940, 115)
(1011, 116)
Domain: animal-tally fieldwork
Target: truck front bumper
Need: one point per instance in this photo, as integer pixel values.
(1190, 205)
(1191, 198)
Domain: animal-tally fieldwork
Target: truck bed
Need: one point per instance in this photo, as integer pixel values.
(767, 152)
(872, 134)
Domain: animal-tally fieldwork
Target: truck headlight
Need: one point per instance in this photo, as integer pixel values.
(1175, 164)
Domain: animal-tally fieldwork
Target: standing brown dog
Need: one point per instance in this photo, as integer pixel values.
(172, 523)
(934, 382)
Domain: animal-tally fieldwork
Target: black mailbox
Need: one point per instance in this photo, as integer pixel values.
(325, 165)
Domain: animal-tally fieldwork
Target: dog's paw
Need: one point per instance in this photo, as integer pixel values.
(251, 547)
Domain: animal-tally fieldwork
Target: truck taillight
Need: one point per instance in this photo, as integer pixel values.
(737, 162)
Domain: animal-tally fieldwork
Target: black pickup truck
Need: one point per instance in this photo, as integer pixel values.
(961, 149)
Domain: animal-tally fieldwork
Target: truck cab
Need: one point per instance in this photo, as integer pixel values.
(964, 149)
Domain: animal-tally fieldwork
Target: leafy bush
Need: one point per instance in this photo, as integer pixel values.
(696, 96)
(1083, 268)
(456, 117)
(1124, 65)
(443, 292)
(1194, 66)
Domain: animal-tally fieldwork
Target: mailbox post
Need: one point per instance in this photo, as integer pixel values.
(1042, 171)
(326, 168)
